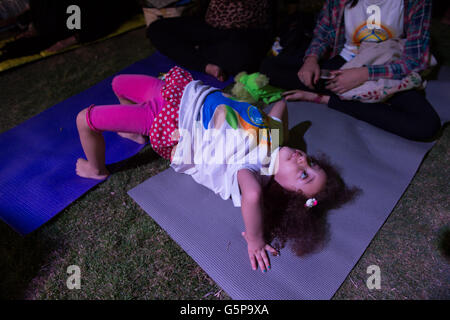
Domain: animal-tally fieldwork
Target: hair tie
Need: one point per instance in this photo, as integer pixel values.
(311, 202)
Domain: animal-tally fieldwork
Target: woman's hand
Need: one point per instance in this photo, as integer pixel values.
(293, 95)
(347, 79)
(309, 73)
(257, 252)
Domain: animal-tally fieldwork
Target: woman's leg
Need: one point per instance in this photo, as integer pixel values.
(181, 38)
(282, 71)
(407, 114)
(237, 50)
(192, 43)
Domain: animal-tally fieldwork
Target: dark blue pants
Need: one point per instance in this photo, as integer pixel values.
(407, 114)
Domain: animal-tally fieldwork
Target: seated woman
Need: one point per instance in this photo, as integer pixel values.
(233, 36)
(342, 27)
(48, 29)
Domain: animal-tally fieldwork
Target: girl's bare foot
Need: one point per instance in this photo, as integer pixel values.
(301, 95)
(215, 71)
(136, 137)
(84, 170)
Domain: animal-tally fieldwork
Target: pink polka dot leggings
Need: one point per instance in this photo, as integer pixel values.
(144, 92)
(154, 112)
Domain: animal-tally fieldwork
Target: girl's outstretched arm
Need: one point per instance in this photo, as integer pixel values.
(279, 110)
(251, 206)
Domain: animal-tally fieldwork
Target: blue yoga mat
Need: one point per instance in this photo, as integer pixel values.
(37, 160)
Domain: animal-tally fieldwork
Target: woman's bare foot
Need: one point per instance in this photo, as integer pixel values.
(215, 71)
(62, 44)
(84, 170)
(136, 137)
(301, 95)
(29, 33)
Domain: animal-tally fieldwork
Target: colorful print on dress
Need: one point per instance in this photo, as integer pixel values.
(235, 112)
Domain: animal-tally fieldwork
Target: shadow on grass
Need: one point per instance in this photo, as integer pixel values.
(21, 259)
(444, 242)
(24, 257)
(143, 157)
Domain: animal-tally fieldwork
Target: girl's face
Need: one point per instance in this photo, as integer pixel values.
(296, 172)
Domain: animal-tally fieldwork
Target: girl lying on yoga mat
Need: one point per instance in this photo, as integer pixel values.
(231, 147)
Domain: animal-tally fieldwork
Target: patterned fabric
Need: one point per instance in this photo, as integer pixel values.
(329, 34)
(166, 122)
(239, 14)
(219, 137)
(382, 93)
(381, 89)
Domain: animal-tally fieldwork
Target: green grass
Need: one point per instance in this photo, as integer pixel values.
(121, 251)
(124, 254)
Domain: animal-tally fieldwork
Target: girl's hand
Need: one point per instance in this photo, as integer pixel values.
(309, 73)
(347, 79)
(301, 95)
(257, 253)
(293, 95)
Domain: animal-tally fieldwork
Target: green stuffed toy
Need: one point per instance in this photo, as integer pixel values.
(255, 87)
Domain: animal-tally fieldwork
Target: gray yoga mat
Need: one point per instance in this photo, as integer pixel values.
(209, 228)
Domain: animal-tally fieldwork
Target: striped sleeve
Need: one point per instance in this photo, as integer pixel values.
(324, 32)
(417, 47)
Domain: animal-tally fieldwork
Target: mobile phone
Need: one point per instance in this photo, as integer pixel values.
(326, 74)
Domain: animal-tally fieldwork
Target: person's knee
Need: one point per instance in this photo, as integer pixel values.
(429, 127)
(423, 127)
(421, 121)
(116, 84)
(266, 66)
(81, 120)
(155, 30)
(242, 60)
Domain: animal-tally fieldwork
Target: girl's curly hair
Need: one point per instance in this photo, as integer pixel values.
(286, 220)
